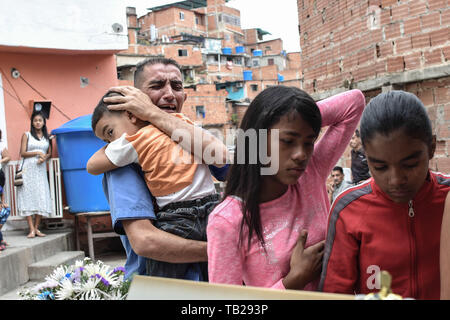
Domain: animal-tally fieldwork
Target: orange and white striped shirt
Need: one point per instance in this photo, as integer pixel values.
(171, 174)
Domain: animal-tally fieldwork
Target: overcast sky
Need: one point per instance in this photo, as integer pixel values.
(280, 18)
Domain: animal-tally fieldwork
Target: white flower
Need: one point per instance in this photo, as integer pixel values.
(66, 290)
(85, 280)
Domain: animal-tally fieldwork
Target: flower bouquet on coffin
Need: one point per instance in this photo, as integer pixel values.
(85, 280)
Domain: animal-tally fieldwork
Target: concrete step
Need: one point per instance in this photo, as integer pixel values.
(40, 269)
(22, 252)
(113, 260)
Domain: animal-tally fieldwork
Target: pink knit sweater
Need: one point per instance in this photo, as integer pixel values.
(305, 205)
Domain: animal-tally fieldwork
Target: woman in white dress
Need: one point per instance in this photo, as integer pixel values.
(34, 195)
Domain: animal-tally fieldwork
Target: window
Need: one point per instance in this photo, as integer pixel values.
(238, 61)
(271, 62)
(196, 20)
(200, 111)
(268, 48)
(255, 63)
(182, 16)
(182, 53)
(254, 87)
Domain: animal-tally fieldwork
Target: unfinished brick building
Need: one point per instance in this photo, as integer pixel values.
(224, 66)
(377, 45)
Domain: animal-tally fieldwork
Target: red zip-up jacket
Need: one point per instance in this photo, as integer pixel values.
(368, 233)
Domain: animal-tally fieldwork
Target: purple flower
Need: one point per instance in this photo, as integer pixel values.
(119, 269)
(105, 282)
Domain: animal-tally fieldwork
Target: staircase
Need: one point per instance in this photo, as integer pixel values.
(27, 260)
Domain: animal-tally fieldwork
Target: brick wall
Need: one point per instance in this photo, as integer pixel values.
(369, 44)
(358, 40)
(213, 101)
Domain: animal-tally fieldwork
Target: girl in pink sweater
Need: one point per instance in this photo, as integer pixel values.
(269, 229)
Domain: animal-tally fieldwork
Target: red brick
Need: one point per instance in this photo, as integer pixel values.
(417, 7)
(392, 31)
(445, 17)
(394, 64)
(436, 4)
(388, 3)
(385, 17)
(420, 40)
(440, 36)
(431, 20)
(433, 57)
(442, 96)
(427, 97)
(365, 56)
(412, 61)
(446, 53)
(403, 45)
(380, 67)
(363, 73)
(411, 26)
(400, 12)
(386, 49)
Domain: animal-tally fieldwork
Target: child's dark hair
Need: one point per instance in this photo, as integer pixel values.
(244, 180)
(395, 110)
(102, 108)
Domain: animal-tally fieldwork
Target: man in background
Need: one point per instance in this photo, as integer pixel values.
(360, 169)
(338, 184)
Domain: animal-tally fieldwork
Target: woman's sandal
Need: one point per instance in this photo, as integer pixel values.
(31, 235)
(40, 234)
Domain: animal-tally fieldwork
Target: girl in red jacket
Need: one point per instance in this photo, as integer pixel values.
(392, 221)
(445, 252)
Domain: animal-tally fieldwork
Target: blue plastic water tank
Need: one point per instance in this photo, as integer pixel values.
(280, 78)
(76, 144)
(248, 75)
(226, 50)
(239, 49)
(257, 53)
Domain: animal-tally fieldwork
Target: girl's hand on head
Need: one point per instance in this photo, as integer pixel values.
(134, 101)
(306, 264)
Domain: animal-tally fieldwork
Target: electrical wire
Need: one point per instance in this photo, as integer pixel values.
(17, 98)
(60, 111)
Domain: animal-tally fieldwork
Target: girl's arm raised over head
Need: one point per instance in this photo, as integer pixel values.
(341, 114)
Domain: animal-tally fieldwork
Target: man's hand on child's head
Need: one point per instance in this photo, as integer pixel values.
(134, 101)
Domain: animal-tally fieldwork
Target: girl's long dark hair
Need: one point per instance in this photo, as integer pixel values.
(244, 179)
(395, 110)
(44, 127)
